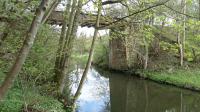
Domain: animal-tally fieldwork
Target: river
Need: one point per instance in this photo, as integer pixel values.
(118, 92)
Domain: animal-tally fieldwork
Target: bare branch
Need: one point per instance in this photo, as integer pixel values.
(137, 12)
(111, 2)
(180, 12)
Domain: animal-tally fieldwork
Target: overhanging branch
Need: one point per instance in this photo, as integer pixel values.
(180, 12)
(137, 12)
(110, 2)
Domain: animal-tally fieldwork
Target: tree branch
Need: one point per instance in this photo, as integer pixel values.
(180, 12)
(137, 12)
(111, 2)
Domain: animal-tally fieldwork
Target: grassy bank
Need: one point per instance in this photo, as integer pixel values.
(184, 78)
(20, 98)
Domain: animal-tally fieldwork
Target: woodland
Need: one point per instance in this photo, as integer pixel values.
(41, 45)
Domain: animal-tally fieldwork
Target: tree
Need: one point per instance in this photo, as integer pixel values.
(65, 35)
(62, 39)
(24, 51)
(91, 52)
(184, 30)
(49, 11)
(68, 50)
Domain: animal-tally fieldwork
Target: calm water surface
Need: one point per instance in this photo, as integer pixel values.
(118, 92)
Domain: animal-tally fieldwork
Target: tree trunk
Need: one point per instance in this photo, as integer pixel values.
(146, 57)
(194, 55)
(70, 28)
(199, 10)
(181, 41)
(184, 27)
(69, 47)
(180, 48)
(29, 40)
(49, 11)
(90, 53)
(64, 50)
(57, 67)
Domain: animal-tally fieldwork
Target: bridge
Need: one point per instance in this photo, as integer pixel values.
(118, 54)
(123, 48)
(86, 20)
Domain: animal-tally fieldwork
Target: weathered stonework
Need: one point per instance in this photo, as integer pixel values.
(124, 48)
(118, 54)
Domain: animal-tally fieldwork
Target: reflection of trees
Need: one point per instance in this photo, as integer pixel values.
(103, 92)
(129, 94)
(98, 87)
(102, 84)
(106, 107)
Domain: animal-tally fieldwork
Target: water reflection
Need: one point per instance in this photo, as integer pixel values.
(115, 92)
(94, 94)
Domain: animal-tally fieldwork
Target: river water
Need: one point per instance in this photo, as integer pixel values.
(118, 92)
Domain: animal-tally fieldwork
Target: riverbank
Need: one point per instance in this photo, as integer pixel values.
(180, 77)
(166, 71)
(22, 98)
(184, 78)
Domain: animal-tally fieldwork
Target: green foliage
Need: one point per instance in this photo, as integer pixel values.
(101, 52)
(80, 59)
(37, 72)
(12, 102)
(39, 65)
(17, 98)
(148, 34)
(27, 94)
(35, 84)
(80, 51)
(44, 103)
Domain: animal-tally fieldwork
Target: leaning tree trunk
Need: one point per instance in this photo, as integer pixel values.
(61, 60)
(90, 53)
(29, 40)
(63, 82)
(50, 10)
(68, 34)
(62, 40)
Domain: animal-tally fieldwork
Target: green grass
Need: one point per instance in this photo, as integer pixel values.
(15, 100)
(182, 78)
(18, 96)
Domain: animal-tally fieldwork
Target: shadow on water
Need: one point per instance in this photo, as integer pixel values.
(117, 92)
